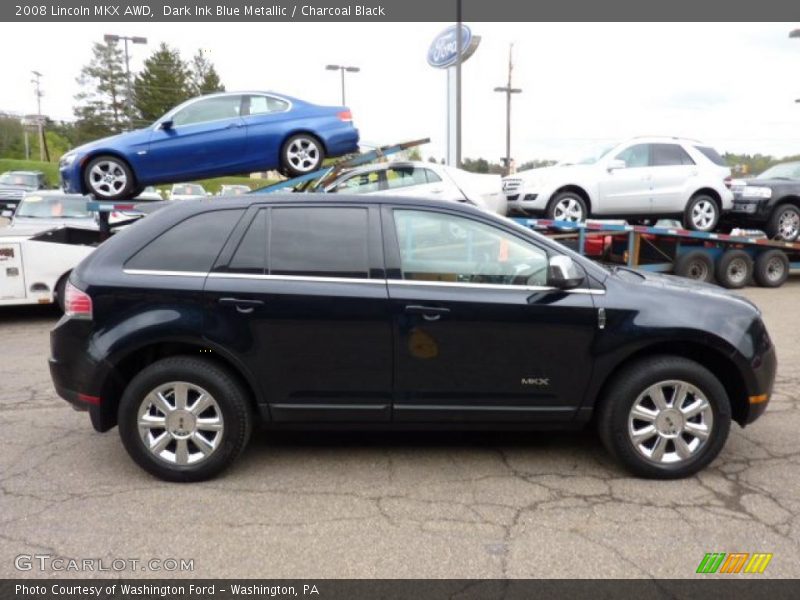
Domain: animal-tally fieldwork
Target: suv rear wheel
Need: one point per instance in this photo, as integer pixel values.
(701, 214)
(664, 417)
(184, 419)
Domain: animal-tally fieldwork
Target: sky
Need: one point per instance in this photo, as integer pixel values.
(730, 85)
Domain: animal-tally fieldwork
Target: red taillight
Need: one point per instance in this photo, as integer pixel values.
(728, 181)
(77, 303)
(345, 115)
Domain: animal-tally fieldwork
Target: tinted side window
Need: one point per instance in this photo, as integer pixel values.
(398, 177)
(431, 176)
(665, 155)
(712, 155)
(251, 254)
(191, 245)
(323, 242)
(442, 247)
(211, 109)
(635, 156)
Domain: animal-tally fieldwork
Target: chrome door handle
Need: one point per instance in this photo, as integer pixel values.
(243, 305)
(429, 313)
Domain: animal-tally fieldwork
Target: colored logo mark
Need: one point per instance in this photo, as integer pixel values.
(734, 562)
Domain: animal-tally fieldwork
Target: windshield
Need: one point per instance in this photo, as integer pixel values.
(53, 207)
(188, 189)
(591, 155)
(18, 179)
(784, 171)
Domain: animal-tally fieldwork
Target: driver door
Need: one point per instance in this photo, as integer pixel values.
(206, 138)
(478, 333)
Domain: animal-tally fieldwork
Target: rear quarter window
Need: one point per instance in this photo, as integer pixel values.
(191, 245)
(711, 155)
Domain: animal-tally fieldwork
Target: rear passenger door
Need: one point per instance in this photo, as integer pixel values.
(300, 295)
(672, 167)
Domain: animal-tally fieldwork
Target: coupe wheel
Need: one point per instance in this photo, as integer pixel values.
(184, 419)
(567, 206)
(784, 223)
(665, 417)
(109, 178)
(302, 154)
(702, 213)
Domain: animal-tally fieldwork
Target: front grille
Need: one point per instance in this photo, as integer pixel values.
(513, 198)
(511, 185)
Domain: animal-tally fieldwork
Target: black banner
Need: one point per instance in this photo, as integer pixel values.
(733, 588)
(392, 10)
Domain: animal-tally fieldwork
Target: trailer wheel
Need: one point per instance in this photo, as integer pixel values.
(771, 268)
(734, 269)
(696, 265)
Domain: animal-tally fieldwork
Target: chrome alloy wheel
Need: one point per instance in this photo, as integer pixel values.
(107, 178)
(789, 225)
(180, 423)
(303, 154)
(704, 214)
(670, 422)
(568, 209)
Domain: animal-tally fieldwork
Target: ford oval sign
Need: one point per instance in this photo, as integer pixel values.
(444, 49)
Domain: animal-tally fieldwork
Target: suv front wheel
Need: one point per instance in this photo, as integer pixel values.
(702, 213)
(664, 417)
(184, 419)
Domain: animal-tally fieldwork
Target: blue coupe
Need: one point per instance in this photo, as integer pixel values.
(212, 136)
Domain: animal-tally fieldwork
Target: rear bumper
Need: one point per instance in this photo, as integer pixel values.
(77, 377)
(342, 140)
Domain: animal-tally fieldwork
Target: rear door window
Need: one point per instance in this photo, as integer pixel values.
(668, 155)
(251, 254)
(319, 241)
(711, 155)
(190, 246)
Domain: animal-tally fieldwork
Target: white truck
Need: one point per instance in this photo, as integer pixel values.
(35, 264)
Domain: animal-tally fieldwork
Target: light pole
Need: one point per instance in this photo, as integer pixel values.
(109, 38)
(342, 68)
(508, 90)
(36, 81)
(795, 33)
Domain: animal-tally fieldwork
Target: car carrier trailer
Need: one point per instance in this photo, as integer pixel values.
(732, 260)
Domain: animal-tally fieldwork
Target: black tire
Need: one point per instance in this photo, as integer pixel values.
(771, 268)
(734, 269)
(695, 264)
(707, 216)
(622, 394)
(124, 182)
(231, 399)
(302, 154)
(60, 290)
(784, 223)
(565, 201)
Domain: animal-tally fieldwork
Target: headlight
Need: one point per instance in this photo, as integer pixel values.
(752, 191)
(67, 159)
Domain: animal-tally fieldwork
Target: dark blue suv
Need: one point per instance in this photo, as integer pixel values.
(207, 316)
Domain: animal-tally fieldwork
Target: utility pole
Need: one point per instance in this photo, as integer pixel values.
(36, 81)
(111, 38)
(342, 69)
(508, 90)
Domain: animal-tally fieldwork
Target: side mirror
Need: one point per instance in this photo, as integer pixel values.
(616, 163)
(564, 274)
(166, 125)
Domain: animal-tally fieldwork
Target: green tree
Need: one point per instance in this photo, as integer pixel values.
(204, 77)
(535, 164)
(164, 82)
(12, 140)
(102, 106)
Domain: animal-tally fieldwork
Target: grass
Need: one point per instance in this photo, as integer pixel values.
(51, 172)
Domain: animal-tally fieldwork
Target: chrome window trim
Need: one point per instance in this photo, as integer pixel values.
(320, 279)
(164, 273)
(306, 278)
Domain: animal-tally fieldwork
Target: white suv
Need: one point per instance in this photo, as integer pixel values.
(641, 178)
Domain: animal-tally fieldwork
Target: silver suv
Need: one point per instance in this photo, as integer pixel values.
(646, 177)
